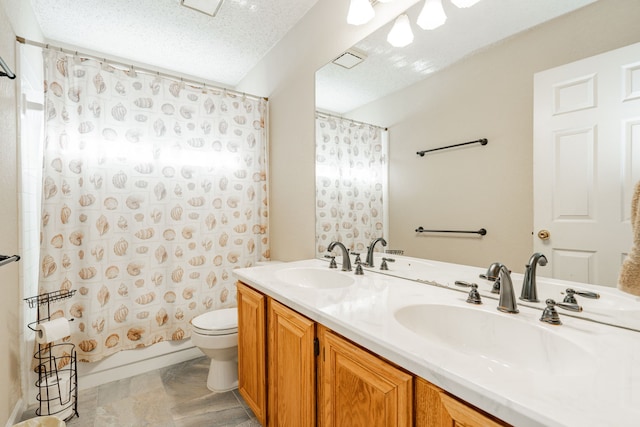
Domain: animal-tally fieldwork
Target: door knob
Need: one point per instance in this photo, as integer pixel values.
(544, 234)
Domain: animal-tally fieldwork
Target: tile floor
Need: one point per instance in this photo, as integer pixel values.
(175, 396)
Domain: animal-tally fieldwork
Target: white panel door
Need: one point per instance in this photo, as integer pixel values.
(586, 161)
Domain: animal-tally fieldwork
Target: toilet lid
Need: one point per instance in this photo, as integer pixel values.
(224, 321)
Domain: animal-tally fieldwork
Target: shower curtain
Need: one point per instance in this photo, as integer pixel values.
(351, 174)
(153, 191)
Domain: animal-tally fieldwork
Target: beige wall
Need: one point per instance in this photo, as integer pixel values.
(10, 303)
(489, 95)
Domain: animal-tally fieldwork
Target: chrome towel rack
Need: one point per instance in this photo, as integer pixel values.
(6, 259)
(481, 141)
(482, 231)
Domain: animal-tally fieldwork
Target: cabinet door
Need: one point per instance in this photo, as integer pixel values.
(360, 389)
(292, 368)
(252, 377)
(435, 408)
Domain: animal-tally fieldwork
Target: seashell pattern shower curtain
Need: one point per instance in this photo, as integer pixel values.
(351, 169)
(153, 192)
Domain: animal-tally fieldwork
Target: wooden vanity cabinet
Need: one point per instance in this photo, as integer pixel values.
(276, 343)
(357, 388)
(252, 350)
(436, 408)
(281, 355)
(291, 368)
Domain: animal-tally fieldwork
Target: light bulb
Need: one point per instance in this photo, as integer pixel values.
(401, 34)
(464, 3)
(360, 12)
(432, 15)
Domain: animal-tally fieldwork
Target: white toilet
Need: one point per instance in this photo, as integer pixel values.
(216, 334)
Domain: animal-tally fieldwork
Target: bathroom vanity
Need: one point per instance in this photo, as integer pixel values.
(319, 347)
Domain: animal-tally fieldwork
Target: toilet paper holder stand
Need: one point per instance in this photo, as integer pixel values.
(56, 367)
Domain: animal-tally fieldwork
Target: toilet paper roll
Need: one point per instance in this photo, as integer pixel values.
(56, 388)
(52, 330)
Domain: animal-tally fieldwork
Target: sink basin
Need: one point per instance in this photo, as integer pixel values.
(319, 278)
(503, 341)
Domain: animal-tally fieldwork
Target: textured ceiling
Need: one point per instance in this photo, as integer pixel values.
(466, 31)
(223, 49)
(164, 34)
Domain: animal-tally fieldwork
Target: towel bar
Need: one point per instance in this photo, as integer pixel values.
(6, 259)
(482, 231)
(482, 141)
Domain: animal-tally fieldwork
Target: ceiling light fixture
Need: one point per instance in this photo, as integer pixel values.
(360, 12)
(400, 34)
(464, 3)
(208, 7)
(432, 15)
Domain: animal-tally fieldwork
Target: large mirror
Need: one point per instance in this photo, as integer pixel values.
(470, 79)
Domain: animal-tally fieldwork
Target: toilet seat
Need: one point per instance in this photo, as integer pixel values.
(216, 322)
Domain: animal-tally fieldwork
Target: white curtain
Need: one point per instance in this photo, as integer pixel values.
(153, 192)
(351, 171)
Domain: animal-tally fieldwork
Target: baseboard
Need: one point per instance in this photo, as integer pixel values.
(129, 363)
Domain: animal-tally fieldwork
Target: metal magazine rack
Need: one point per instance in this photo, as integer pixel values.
(56, 366)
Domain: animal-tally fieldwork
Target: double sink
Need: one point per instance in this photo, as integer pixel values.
(498, 338)
(523, 371)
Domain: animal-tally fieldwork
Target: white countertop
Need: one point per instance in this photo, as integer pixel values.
(602, 389)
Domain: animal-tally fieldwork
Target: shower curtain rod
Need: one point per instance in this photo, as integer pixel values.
(333, 116)
(136, 68)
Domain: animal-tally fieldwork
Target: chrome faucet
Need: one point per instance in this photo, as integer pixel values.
(369, 260)
(529, 289)
(507, 301)
(346, 261)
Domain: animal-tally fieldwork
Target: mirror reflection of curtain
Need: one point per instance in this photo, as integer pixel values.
(351, 182)
(153, 191)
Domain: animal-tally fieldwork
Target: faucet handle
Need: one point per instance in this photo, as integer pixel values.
(332, 263)
(571, 299)
(550, 314)
(474, 295)
(359, 271)
(383, 265)
(463, 283)
(357, 254)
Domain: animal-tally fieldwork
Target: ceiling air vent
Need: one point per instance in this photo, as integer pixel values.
(349, 59)
(208, 7)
